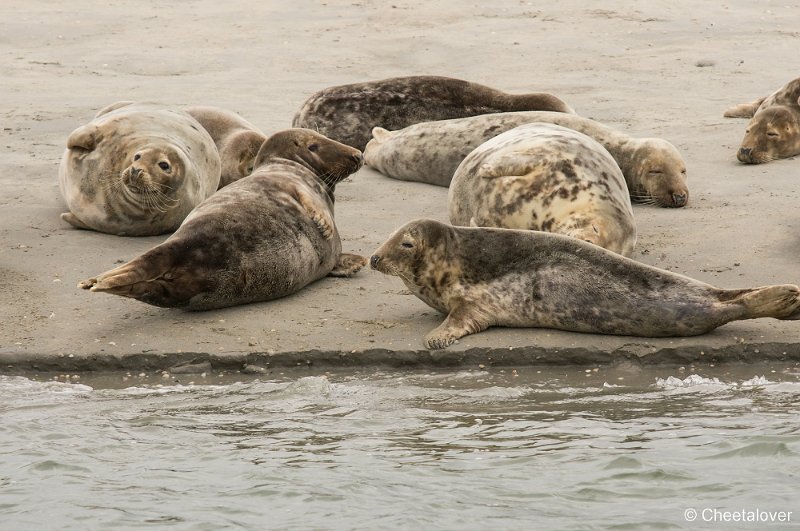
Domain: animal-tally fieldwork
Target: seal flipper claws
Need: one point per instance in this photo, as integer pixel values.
(347, 265)
(460, 322)
(319, 214)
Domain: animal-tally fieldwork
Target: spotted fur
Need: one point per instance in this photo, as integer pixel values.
(111, 174)
(347, 113)
(483, 277)
(545, 177)
(430, 152)
(262, 237)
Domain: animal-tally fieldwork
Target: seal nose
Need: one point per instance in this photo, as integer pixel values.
(679, 199)
(744, 154)
(358, 158)
(135, 172)
(373, 261)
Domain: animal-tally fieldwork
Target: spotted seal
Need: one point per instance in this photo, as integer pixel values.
(774, 130)
(430, 152)
(262, 237)
(482, 277)
(546, 177)
(137, 169)
(348, 113)
(237, 140)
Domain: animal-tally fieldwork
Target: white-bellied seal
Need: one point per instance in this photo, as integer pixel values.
(237, 140)
(137, 169)
(483, 277)
(347, 113)
(430, 152)
(264, 236)
(541, 176)
(774, 131)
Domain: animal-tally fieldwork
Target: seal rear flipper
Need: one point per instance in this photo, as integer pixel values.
(778, 302)
(347, 265)
(744, 110)
(134, 279)
(73, 220)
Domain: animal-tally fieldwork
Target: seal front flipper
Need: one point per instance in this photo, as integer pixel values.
(85, 137)
(347, 265)
(70, 218)
(464, 319)
(744, 110)
(318, 211)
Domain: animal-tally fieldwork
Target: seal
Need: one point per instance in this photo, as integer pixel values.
(264, 236)
(774, 130)
(348, 113)
(481, 277)
(430, 152)
(545, 177)
(137, 169)
(237, 140)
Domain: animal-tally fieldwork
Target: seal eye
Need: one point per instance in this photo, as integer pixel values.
(164, 166)
(137, 156)
(407, 245)
(313, 148)
(773, 134)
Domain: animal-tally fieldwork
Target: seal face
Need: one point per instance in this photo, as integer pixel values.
(264, 236)
(482, 277)
(347, 113)
(237, 140)
(545, 177)
(774, 130)
(137, 169)
(430, 152)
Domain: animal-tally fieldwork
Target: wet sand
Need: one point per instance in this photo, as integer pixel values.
(660, 70)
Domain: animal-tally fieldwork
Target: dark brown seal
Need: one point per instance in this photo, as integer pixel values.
(348, 113)
(237, 140)
(483, 277)
(262, 237)
(774, 131)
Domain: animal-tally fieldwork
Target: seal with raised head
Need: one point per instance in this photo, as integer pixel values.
(348, 113)
(482, 277)
(430, 152)
(774, 130)
(237, 140)
(264, 236)
(541, 176)
(137, 169)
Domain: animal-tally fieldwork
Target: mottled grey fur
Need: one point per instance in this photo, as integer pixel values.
(347, 113)
(262, 237)
(484, 277)
(110, 176)
(774, 131)
(542, 176)
(430, 152)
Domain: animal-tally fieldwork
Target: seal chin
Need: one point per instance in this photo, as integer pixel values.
(748, 156)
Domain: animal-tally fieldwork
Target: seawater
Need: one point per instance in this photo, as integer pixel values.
(555, 448)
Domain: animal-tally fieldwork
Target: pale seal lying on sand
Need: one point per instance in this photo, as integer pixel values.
(262, 237)
(498, 277)
(237, 140)
(430, 152)
(348, 113)
(546, 177)
(137, 169)
(774, 131)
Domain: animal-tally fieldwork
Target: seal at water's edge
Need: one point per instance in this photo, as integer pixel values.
(264, 236)
(237, 140)
(137, 169)
(483, 277)
(541, 176)
(774, 131)
(347, 113)
(430, 152)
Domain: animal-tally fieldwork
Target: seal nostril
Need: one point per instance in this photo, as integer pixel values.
(374, 261)
(745, 151)
(679, 199)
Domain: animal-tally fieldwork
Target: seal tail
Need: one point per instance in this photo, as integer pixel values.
(744, 110)
(778, 302)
